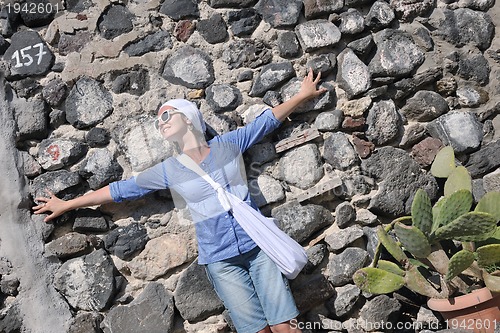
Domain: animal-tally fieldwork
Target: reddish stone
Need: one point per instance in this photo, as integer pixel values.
(425, 151)
(184, 29)
(363, 148)
(353, 124)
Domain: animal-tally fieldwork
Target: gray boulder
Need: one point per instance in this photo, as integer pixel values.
(100, 168)
(55, 154)
(342, 267)
(86, 322)
(425, 106)
(152, 311)
(89, 220)
(243, 22)
(329, 120)
(346, 299)
(32, 118)
(87, 282)
(381, 309)
(213, 29)
(319, 103)
(189, 67)
(271, 76)
(157, 41)
(380, 15)
(68, 246)
(317, 34)
(463, 26)
(300, 222)
(54, 92)
(301, 166)
(265, 190)
(88, 103)
(133, 82)
(246, 53)
(396, 55)
(353, 75)
(342, 238)
(58, 182)
(73, 42)
(124, 242)
(461, 130)
(345, 214)
(400, 177)
(36, 58)
(223, 97)
(473, 66)
(339, 152)
(288, 45)
(351, 22)
(484, 160)
(279, 13)
(311, 290)
(194, 296)
(115, 21)
(406, 10)
(318, 8)
(383, 121)
(180, 9)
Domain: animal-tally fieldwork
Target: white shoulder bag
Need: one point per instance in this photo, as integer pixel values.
(289, 256)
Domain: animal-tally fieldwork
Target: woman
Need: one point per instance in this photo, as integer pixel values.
(250, 285)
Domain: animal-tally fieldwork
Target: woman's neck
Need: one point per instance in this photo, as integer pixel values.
(195, 148)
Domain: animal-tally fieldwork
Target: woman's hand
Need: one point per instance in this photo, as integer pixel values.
(308, 88)
(52, 204)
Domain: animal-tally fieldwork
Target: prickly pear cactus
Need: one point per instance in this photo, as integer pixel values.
(415, 281)
(469, 227)
(449, 208)
(377, 281)
(390, 267)
(488, 255)
(444, 163)
(413, 240)
(458, 263)
(421, 212)
(459, 179)
(490, 203)
(391, 246)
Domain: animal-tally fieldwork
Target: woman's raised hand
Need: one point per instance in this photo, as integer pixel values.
(308, 89)
(52, 204)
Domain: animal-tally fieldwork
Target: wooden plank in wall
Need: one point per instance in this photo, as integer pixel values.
(298, 139)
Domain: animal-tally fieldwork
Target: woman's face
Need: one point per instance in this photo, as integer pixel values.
(175, 127)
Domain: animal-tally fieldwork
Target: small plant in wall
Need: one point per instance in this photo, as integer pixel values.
(441, 250)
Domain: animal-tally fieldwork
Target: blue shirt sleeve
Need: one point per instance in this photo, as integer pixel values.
(253, 132)
(127, 189)
(146, 182)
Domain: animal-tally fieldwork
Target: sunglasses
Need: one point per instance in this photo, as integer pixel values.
(164, 117)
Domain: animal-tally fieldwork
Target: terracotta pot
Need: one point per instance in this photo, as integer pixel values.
(478, 311)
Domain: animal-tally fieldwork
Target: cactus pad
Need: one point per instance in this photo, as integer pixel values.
(415, 281)
(444, 163)
(492, 281)
(458, 263)
(459, 179)
(413, 240)
(488, 255)
(490, 203)
(421, 212)
(451, 207)
(469, 227)
(377, 281)
(391, 246)
(390, 267)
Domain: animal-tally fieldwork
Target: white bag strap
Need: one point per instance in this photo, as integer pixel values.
(221, 192)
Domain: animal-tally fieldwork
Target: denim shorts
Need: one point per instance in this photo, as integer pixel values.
(253, 290)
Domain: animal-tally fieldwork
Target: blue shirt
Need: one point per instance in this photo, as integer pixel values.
(219, 235)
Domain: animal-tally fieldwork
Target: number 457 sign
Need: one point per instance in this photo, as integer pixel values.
(28, 55)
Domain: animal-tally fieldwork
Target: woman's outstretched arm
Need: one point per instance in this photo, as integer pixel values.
(307, 91)
(57, 206)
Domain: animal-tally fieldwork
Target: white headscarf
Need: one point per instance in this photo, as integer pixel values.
(190, 110)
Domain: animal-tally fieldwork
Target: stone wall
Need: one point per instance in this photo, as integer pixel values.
(81, 87)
